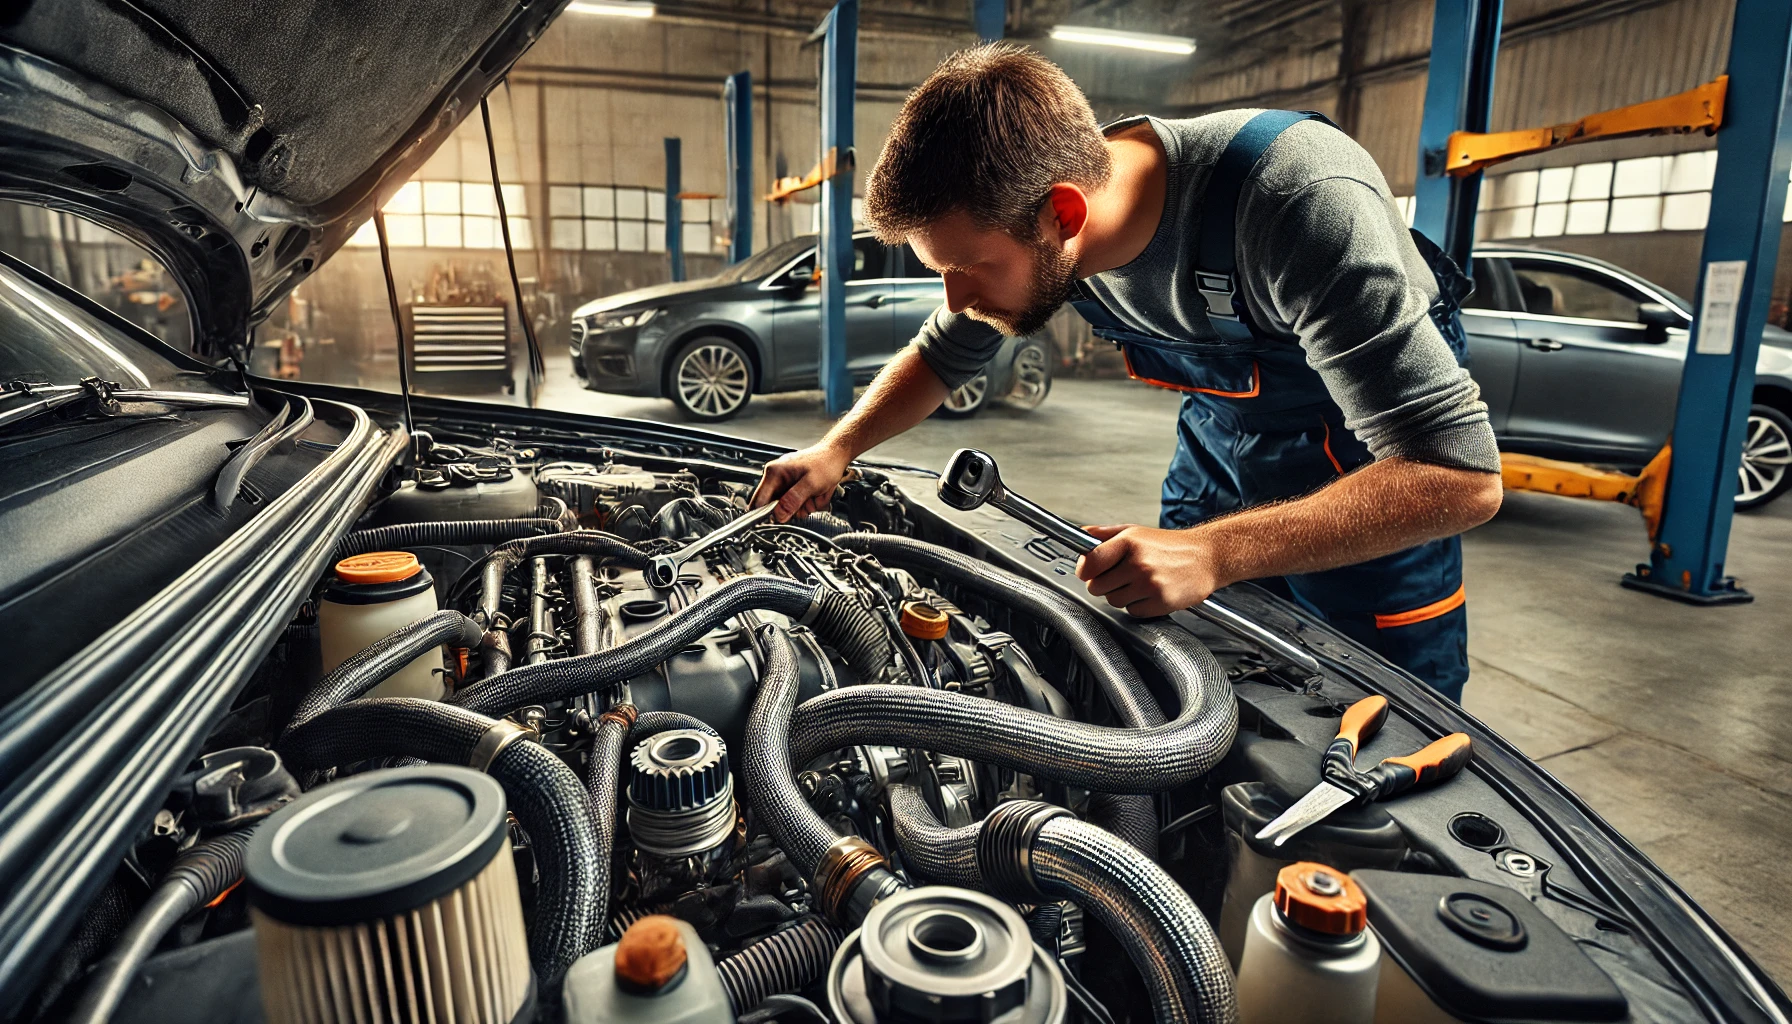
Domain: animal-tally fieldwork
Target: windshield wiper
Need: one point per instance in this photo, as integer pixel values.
(21, 400)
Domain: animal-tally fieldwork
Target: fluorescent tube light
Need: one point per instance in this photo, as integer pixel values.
(1182, 45)
(613, 8)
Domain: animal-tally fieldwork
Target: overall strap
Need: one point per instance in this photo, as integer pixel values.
(1216, 260)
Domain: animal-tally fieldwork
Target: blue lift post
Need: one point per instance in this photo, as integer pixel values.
(675, 207)
(737, 107)
(1742, 240)
(1465, 41)
(989, 17)
(839, 75)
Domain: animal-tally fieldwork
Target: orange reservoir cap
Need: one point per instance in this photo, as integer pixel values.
(650, 955)
(1322, 899)
(923, 621)
(378, 567)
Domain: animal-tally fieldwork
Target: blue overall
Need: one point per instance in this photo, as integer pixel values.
(1258, 425)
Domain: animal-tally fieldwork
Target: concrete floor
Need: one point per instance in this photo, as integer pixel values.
(1673, 722)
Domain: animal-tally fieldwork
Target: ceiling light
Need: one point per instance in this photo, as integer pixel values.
(1182, 45)
(613, 8)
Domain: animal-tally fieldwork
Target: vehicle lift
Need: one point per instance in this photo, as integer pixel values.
(1687, 492)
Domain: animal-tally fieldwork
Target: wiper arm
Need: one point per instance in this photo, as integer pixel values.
(29, 401)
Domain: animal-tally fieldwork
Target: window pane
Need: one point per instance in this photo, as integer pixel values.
(656, 206)
(1515, 223)
(631, 235)
(1551, 220)
(1553, 184)
(1686, 211)
(1485, 295)
(600, 235)
(656, 236)
(867, 259)
(1557, 289)
(1591, 181)
(563, 201)
(441, 197)
(1636, 213)
(631, 204)
(600, 201)
(481, 233)
(1639, 177)
(409, 199)
(696, 238)
(404, 230)
(566, 233)
(522, 235)
(1587, 218)
(441, 230)
(478, 199)
(694, 211)
(858, 211)
(365, 237)
(1510, 190)
(1692, 172)
(515, 199)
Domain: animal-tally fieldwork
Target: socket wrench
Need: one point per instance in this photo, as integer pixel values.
(662, 570)
(971, 480)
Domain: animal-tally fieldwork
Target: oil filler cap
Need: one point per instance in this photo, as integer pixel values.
(1321, 899)
(1482, 921)
(923, 621)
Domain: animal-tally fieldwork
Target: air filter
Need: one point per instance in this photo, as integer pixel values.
(390, 898)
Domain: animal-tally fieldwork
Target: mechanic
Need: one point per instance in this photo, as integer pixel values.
(1330, 444)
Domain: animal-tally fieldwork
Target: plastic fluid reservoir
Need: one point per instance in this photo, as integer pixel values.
(660, 971)
(1309, 957)
(370, 596)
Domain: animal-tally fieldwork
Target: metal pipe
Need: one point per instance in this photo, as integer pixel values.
(587, 634)
(541, 613)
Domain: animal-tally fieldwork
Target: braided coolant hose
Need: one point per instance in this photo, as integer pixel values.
(789, 961)
(469, 531)
(377, 661)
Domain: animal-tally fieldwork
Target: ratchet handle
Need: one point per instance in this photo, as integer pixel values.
(1361, 721)
(1436, 763)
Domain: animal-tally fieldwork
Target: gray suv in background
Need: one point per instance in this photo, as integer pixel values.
(1580, 360)
(710, 345)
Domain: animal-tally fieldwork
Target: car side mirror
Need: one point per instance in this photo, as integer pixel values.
(1658, 317)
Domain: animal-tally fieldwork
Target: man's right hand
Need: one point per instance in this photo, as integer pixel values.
(802, 482)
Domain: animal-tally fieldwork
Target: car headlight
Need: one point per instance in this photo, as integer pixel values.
(631, 318)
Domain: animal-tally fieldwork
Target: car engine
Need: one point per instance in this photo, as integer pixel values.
(565, 732)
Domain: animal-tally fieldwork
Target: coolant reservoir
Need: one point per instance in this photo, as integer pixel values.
(370, 596)
(1309, 957)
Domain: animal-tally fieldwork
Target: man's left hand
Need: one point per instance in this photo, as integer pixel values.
(1147, 571)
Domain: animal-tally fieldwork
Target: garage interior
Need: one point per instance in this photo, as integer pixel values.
(1672, 721)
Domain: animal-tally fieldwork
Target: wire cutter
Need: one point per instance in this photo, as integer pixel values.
(1344, 786)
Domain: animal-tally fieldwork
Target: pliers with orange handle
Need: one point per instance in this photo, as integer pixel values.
(1344, 786)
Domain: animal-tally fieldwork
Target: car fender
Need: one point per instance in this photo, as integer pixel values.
(676, 333)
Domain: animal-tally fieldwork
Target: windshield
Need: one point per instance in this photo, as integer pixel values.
(47, 339)
(767, 260)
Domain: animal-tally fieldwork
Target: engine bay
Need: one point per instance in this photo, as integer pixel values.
(840, 769)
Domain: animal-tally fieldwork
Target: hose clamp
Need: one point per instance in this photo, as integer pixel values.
(811, 613)
(492, 742)
(622, 714)
(846, 861)
(1005, 848)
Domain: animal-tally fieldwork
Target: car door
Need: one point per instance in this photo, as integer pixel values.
(919, 292)
(1594, 381)
(1492, 337)
(796, 315)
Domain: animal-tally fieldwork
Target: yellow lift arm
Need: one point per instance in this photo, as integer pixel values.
(1700, 109)
(1573, 480)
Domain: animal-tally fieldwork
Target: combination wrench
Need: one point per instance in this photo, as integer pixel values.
(662, 570)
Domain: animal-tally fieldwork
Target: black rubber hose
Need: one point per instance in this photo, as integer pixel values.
(765, 767)
(547, 798)
(1132, 816)
(603, 782)
(1095, 758)
(789, 961)
(835, 616)
(200, 875)
(470, 531)
(576, 542)
(376, 662)
(652, 723)
(1166, 937)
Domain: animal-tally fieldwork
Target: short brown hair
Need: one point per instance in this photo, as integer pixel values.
(990, 132)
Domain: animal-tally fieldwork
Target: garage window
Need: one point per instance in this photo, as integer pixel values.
(449, 215)
(611, 218)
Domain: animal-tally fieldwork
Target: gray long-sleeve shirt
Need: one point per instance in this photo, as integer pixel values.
(1324, 261)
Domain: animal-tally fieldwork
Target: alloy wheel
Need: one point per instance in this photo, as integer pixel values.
(1766, 453)
(713, 380)
(967, 397)
(1032, 377)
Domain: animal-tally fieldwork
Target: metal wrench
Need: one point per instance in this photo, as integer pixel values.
(662, 570)
(971, 480)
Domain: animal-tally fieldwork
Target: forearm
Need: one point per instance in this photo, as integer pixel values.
(905, 392)
(1387, 506)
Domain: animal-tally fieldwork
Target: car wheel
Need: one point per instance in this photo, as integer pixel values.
(1766, 468)
(711, 379)
(966, 399)
(1032, 375)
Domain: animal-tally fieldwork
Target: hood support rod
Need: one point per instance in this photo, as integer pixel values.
(404, 356)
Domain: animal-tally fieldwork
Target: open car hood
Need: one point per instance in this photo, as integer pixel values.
(240, 145)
